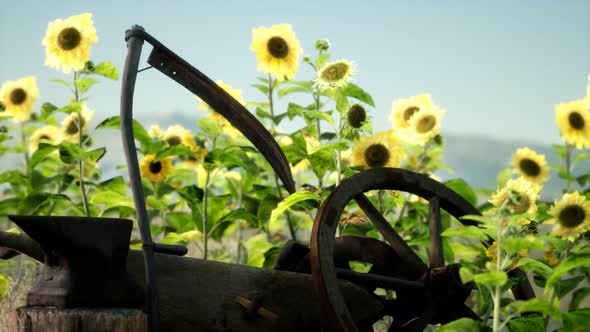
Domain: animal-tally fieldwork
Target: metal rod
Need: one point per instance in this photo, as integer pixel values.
(376, 280)
(134, 45)
(436, 255)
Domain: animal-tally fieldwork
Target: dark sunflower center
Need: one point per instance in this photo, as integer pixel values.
(426, 124)
(44, 137)
(155, 167)
(69, 38)
(529, 167)
(521, 205)
(356, 116)
(571, 216)
(409, 112)
(576, 120)
(278, 47)
(335, 72)
(18, 96)
(72, 127)
(173, 140)
(376, 155)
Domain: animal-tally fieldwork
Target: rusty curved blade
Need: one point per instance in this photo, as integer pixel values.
(173, 66)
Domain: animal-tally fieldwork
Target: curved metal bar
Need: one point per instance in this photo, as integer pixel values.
(173, 66)
(134, 46)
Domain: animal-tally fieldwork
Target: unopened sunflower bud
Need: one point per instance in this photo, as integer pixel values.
(89, 66)
(357, 115)
(438, 140)
(306, 59)
(2, 107)
(322, 45)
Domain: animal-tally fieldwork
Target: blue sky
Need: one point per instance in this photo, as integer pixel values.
(498, 68)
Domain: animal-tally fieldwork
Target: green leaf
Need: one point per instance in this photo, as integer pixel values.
(70, 108)
(565, 266)
(96, 154)
(261, 88)
(210, 127)
(240, 214)
(15, 178)
(265, 208)
(114, 184)
(322, 60)
(192, 194)
(526, 324)
(111, 199)
(292, 89)
(62, 82)
(107, 69)
(353, 91)
(341, 103)
(461, 325)
(294, 110)
(47, 108)
(581, 157)
(535, 305)
(229, 159)
(176, 150)
(576, 320)
(114, 122)
(32, 203)
(466, 275)
(295, 198)
(257, 246)
(360, 266)
(70, 152)
(503, 177)
(320, 115)
(85, 83)
(564, 286)
(156, 203)
(529, 263)
(462, 188)
(40, 154)
(4, 137)
(182, 238)
(472, 232)
(560, 151)
(4, 285)
(578, 296)
(491, 278)
(514, 244)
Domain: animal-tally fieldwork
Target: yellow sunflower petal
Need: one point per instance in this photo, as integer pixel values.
(155, 171)
(67, 42)
(530, 165)
(47, 134)
(381, 150)
(572, 215)
(277, 50)
(423, 126)
(402, 110)
(573, 119)
(18, 97)
(70, 128)
(528, 192)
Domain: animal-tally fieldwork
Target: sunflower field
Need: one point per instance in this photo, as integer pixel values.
(212, 191)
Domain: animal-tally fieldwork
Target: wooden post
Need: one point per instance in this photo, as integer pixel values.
(33, 319)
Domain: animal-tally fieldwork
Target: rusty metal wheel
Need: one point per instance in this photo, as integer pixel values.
(424, 294)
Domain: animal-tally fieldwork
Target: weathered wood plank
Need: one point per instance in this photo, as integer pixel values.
(42, 319)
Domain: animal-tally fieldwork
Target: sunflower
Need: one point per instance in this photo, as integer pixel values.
(423, 126)
(214, 115)
(277, 50)
(177, 134)
(155, 170)
(70, 127)
(67, 42)
(402, 110)
(381, 150)
(573, 119)
(356, 117)
(335, 75)
(530, 165)
(572, 213)
(155, 131)
(47, 134)
(550, 256)
(18, 97)
(526, 195)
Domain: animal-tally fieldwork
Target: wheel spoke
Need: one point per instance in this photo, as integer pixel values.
(391, 236)
(436, 256)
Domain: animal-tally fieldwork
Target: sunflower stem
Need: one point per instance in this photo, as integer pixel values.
(568, 166)
(80, 143)
(273, 131)
(204, 212)
(23, 140)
